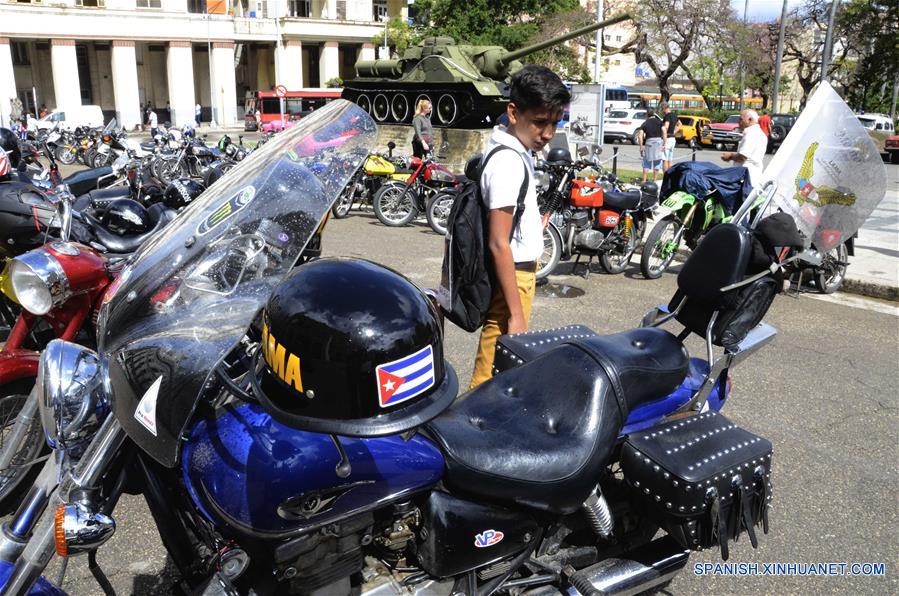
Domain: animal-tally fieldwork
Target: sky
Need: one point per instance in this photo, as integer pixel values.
(763, 10)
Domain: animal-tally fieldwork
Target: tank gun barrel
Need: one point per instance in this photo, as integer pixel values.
(506, 59)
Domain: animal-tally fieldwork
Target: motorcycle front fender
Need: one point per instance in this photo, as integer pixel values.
(42, 587)
(678, 201)
(18, 364)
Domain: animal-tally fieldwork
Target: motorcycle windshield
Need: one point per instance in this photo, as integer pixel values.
(828, 171)
(109, 127)
(191, 292)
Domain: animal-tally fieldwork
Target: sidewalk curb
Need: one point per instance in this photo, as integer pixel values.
(870, 289)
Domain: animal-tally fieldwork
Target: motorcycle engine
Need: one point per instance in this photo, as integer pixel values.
(585, 236)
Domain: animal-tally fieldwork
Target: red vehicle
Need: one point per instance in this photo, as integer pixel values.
(397, 202)
(296, 105)
(891, 145)
(724, 135)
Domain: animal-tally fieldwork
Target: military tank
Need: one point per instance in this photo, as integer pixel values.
(466, 85)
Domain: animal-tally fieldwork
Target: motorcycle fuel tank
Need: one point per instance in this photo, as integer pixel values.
(264, 479)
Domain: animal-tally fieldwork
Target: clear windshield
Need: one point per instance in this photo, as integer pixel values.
(829, 177)
(110, 127)
(194, 289)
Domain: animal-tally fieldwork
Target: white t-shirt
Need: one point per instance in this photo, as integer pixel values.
(500, 183)
(753, 146)
(153, 120)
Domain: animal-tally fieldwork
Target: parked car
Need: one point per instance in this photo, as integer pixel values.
(73, 117)
(880, 127)
(781, 124)
(691, 128)
(723, 135)
(275, 125)
(892, 146)
(622, 125)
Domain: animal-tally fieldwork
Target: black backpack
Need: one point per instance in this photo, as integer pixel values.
(467, 280)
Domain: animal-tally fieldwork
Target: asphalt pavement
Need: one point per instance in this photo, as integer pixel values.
(824, 393)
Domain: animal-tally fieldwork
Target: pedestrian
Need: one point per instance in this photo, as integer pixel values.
(652, 136)
(537, 100)
(673, 126)
(153, 123)
(197, 112)
(765, 123)
(751, 150)
(421, 123)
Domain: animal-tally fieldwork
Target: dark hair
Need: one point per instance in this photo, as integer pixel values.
(536, 87)
(650, 112)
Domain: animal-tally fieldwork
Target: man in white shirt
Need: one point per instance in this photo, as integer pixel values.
(153, 121)
(537, 100)
(751, 150)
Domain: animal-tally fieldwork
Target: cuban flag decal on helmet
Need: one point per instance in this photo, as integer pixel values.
(405, 378)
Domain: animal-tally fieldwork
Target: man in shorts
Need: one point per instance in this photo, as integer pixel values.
(672, 127)
(652, 135)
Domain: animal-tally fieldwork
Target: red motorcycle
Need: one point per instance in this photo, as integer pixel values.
(60, 287)
(398, 202)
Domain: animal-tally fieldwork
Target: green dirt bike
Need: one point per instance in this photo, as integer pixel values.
(690, 218)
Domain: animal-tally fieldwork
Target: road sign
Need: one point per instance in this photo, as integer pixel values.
(281, 91)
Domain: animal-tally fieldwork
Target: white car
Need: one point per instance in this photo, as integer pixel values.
(622, 125)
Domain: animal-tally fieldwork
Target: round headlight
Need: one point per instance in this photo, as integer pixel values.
(38, 281)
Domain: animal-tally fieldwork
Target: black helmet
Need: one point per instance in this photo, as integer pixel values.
(181, 193)
(125, 217)
(9, 142)
(211, 175)
(352, 348)
(558, 155)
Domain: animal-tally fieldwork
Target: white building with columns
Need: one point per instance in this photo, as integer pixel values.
(175, 54)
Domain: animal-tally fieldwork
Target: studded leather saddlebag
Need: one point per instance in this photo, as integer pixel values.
(703, 478)
(514, 350)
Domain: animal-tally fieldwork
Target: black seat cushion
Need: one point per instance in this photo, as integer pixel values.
(101, 198)
(621, 200)
(537, 435)
(86, 180)
(159, 217)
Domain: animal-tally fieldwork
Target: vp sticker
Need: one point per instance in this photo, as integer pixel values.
(488, 538)
(146, 409)
(237, 202)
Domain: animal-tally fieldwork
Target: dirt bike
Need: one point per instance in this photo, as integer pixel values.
(696, 196)
(376, 169)
(398, 202)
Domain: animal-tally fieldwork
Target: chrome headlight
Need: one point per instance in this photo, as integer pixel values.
(39, 281)
(72, 394)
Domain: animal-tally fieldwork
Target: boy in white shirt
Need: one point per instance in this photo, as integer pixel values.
(537, 100)
(752, 147)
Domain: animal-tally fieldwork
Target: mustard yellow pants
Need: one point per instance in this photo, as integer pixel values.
(498, 323)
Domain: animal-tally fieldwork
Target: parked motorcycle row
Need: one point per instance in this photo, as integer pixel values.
(287, 441)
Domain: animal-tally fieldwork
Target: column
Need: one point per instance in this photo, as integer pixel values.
(7, 82)
(329, 62)
(367, 52)
(124, 84)
(64, 62)
(291, 62)
(180, 75)
(224, 83)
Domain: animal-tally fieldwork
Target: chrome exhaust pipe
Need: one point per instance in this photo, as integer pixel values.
(644, 568)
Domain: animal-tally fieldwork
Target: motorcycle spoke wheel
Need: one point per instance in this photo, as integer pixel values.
(618, 258)
(552, 252)
(343, 205)
(438, 212)
(393, 207)
(16, 479)
(660, 248)
(66, 155)
(830, 273)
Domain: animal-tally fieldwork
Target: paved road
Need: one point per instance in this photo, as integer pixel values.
(824, 392)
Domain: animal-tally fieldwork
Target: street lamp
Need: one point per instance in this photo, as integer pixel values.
(385, 51)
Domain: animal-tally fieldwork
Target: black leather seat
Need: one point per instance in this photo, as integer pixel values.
(538, 435)
(621, 200)
(87, 180)
(159, 217)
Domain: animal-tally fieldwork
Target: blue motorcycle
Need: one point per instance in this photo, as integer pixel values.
(297, 429)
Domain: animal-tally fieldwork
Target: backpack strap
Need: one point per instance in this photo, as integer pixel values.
(522, 192)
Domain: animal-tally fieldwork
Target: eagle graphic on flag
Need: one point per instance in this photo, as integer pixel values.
(405, 378)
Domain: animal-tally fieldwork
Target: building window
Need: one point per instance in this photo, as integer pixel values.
(19, 50)
(91, 3)
(196, 6)
(149, 3)
(341, 10)
(617, 38)
(299, 8)
(379, 10)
